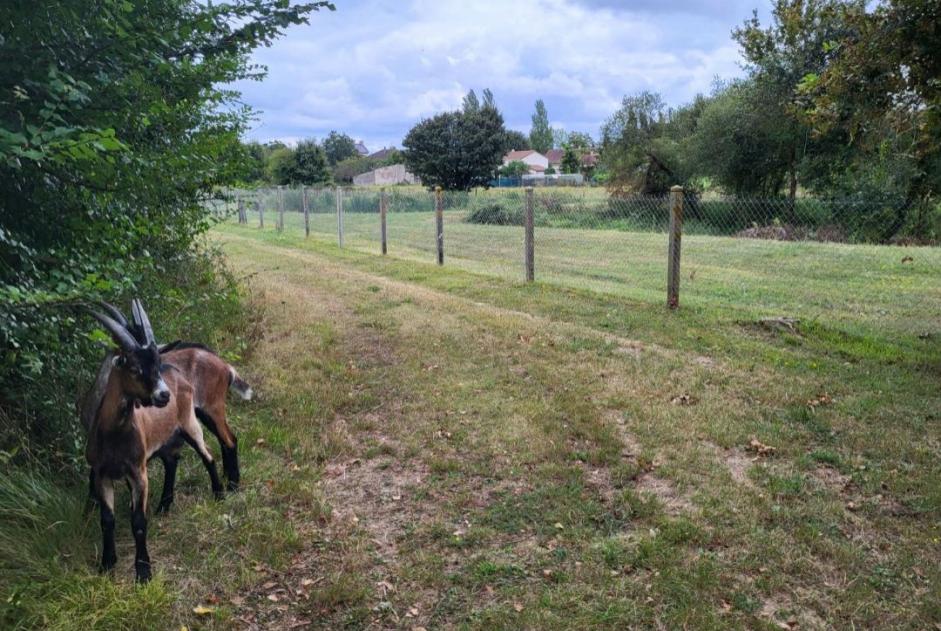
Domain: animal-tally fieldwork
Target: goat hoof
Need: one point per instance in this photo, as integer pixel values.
(107, 565)
(143, 574)
(219, 495)
(232, 486)
(162, 509)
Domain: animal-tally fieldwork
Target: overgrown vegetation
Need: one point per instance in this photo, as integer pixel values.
(113, 137)
(840, 102)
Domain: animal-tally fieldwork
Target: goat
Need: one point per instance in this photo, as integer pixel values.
(146, 410)
(209, 375)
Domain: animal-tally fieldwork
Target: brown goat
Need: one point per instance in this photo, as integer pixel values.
(210, 377)
(146, 410)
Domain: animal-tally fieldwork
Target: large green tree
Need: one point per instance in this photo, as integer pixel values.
(540, 135)
(796, 43)
(881, 89)
(457, 150)
(115, 130)
(339, 147)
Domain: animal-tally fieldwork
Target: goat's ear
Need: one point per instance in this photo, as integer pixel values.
(118, 333)
(142, 322)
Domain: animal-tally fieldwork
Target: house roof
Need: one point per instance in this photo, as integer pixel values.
(518, 154)
(590, 159)
(555, 156)
(382, 153)
(361, 148)
(538, 168)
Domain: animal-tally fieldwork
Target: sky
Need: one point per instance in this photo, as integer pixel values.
(372, 69)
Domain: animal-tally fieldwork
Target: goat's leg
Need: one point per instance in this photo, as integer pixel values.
(193, 434)
(92, 493)
(170, 461)
(213, 417)
(139, 488)
(104, 490)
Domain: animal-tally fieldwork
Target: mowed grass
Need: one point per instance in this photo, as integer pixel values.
(544, 457)
(865, 290)
(440, 448)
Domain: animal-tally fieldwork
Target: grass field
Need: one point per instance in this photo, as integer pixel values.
(862, 289)
(452, 448)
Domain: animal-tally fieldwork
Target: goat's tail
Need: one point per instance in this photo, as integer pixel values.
(237, 384)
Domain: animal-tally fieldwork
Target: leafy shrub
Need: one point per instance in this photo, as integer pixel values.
(496, 214)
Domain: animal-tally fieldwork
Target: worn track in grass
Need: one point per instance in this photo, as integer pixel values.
(483, 461)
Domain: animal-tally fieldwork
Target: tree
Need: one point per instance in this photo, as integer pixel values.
(338, 147)
(880, 89)
(736, 143)
(255, 158)
(310, 164)
(630, 150)
(540, 136)
(118, 123)
(794, 45)
(515, 141)
(514, 169)
(571, 161)
(280, 166)
(470, 104)
(457, 150)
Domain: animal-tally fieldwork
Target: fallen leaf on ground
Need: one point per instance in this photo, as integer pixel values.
(202, 610)
(517, 607)
(760, 448)
(683, 399)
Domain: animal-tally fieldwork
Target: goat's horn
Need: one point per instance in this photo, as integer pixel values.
(142, 321)
(114, 313)
(120, 334)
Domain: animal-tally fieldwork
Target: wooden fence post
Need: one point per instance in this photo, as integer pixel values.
(280, 209)
(241, 209)
(676, 234)
(261, 213)
(529, 224)
(439, 223)
(339, 193)
(306, 211)
(382, 220)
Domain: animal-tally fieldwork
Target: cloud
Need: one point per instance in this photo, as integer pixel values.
(373, 69)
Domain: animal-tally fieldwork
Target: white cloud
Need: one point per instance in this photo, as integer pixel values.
(374, 69)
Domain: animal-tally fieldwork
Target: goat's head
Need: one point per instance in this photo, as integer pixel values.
(137, 364)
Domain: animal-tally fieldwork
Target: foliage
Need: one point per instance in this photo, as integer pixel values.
(497, 214)
(310, 164)
(515, 168)
(540, 135)
(630, 149)
(516, 141)
(880, 89)
(457, 150)
(112, 138)
(571, 160)
(339, 147)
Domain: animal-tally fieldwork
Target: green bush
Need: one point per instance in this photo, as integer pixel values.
(496, 214)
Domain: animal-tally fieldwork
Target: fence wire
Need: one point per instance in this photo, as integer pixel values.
(805, 258)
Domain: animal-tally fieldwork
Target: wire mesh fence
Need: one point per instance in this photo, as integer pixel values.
(762, 257)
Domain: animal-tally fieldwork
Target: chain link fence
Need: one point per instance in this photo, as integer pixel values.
(804, 258)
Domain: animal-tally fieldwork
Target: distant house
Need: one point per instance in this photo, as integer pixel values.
(361, 148)
(536, 162)
(383, 153)
(386, 176)
(554, 156)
